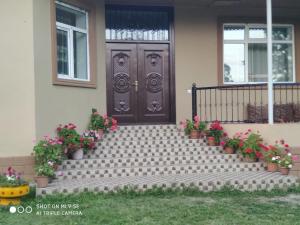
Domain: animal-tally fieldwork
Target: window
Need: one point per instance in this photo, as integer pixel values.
(137, 25)
(72, 43)
(245, 53)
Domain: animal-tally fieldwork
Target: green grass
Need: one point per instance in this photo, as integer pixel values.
(157, 207)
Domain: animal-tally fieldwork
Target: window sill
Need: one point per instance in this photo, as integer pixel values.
(74, 83)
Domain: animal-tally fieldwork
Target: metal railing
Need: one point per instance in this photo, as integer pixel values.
(246, 103)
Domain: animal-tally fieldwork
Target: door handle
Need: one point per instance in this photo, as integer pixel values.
(136, 85)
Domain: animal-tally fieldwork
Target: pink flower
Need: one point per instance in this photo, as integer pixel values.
(295, 158)
(223, 143)
(197, 119)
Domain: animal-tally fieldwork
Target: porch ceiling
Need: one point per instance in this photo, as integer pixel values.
(214, 3)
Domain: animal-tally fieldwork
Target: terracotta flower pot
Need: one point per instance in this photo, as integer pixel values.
(78, 154)
(41, 181)
(229, 150)
(211, 141)
(272, 167)
(194, 134)
(249, 159)
(284, 171)
(201, 134)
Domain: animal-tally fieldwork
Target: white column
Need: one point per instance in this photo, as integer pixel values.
(270, 62)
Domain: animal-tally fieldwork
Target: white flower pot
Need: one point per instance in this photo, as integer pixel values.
(78, 154)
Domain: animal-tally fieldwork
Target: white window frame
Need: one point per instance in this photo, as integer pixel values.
(248, 41)
(70, 30)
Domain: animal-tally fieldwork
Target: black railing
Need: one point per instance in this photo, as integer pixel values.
(246, 103)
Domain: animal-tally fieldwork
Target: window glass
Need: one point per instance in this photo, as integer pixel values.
(283, 62)
(257, 62)
(70, 17)
(234, 32)
(62, 52)
(234, 63)
(141, 24)
(258, 33)
(80, 53)
(282, 33)
(250, 54)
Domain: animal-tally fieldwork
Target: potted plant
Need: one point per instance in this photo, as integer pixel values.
(12, 188)
(230, 145)
(272, 156)
(102, 124)
(286, 163)
(43, 172)
(189, 129)
(215, 133)
(49, 150)
(70, 141)
(87, 143)
(250, 146)
(202, 129)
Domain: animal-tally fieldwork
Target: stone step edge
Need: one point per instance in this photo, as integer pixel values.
(146, 157)
(226, 176)
(184, 165)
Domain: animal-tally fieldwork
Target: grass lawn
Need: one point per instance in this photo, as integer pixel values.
(158, 207)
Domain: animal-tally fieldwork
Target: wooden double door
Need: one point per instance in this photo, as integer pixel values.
(138, 82)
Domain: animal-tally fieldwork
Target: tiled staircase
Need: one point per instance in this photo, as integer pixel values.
(144, 157)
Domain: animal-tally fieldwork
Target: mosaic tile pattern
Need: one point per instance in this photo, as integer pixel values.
(246, 181)
(143, 157)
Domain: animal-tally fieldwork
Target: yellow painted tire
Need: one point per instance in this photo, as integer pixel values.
(14, 192)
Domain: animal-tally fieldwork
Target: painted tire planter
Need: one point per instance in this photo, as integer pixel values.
(12, 195)
(78, 154)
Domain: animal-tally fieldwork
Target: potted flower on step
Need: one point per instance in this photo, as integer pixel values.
(12, 188)
(215, 133)
(43, 173)
(272, 156)
(286, 163)
(87, 144)
(70, 141)
(250, 146)
(49, 150)
(230, 145)
(190, 129)
(102, 124)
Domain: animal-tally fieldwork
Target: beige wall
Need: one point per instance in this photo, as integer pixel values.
(31, 106)
(61, 104)
(17, 115)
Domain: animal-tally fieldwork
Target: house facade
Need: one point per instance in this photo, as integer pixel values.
(135, 60)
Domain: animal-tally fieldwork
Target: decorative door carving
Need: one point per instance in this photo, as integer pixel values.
(138, 82)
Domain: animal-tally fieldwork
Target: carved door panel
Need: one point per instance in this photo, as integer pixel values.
(121, 71)
(153, 80)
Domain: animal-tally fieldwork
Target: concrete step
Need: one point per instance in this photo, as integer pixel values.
(245, 181)
(152, 128)
(148, 161)
(150, 144)
(151, 151)
(111, 171)
(145, 134)
(147, 137)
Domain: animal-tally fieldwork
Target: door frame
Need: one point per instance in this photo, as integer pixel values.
(171, 42)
